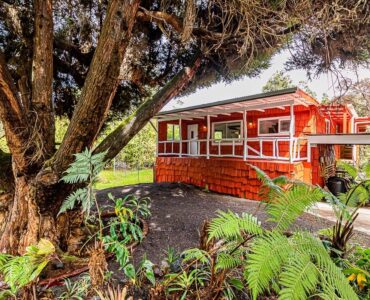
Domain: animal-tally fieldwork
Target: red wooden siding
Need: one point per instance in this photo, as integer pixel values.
(223, 175)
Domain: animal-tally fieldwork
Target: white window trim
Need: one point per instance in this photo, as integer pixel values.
(327, 126)
(227, 143)
(173, 132)
(284, 133)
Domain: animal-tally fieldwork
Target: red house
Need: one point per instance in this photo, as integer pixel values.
(211, 145)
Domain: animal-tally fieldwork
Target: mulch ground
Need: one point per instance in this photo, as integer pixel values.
(179, 210)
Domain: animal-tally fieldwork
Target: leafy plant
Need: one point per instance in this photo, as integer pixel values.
(241, 257)
(85, 169)
(358, 271)
(76, 290)
(347, 205)
(113, 293)
(19, 271)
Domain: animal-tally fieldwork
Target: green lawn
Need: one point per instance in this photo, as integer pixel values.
(109, 179)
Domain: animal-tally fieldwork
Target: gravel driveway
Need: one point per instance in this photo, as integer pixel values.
(179, 210)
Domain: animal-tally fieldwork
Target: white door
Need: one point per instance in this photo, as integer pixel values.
(193, 137)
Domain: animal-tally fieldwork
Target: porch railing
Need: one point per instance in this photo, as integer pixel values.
(277, 148)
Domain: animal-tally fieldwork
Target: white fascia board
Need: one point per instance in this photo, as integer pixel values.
(340, 139)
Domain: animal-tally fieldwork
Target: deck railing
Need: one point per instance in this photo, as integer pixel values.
(277, 148)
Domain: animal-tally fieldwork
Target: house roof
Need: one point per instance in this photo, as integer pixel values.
(281, 98)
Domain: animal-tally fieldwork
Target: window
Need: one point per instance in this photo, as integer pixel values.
(227, 130)
(274, 126)
(173, 132)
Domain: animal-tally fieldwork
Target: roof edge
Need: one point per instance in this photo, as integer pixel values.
(232, 100)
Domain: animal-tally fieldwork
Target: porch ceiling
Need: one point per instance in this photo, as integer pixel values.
(259, 102)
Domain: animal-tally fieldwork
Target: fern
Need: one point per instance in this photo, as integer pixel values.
(228, 261)
(84, 169)
(351, 170)
(296, 268)
(267, 255)
(288, 206)
(299, 278)
(229, 225)
(195, 254)
(19, 271)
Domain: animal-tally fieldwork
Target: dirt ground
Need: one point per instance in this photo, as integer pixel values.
(179, 210)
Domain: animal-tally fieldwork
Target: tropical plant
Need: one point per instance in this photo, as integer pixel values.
(358, 271)
(76, 290)
(20, 271)
(84, 170)
(346, 205)
(242, 257)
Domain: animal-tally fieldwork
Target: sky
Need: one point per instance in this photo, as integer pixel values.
(325, 83)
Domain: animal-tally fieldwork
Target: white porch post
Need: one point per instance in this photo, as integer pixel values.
(180, 129)
(291, 132)
(208, 133)
(245, 129)
(157, 138)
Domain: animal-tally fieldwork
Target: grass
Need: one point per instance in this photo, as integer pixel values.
(110, 179)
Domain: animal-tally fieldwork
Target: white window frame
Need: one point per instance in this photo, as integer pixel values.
(279, 133)
(214, 143)
(173, 132)
(327, 126)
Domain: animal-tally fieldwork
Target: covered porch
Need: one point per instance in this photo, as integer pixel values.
(267, 126)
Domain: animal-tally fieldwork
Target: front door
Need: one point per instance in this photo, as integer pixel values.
(193, 137)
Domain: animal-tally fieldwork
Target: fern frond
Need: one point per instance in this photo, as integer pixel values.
(366, 170)
(78, 196)
(228, 261)
(299, 278)
(288, 206)
(195, 254)
(351, 170)
(229, 225)
(267, 256)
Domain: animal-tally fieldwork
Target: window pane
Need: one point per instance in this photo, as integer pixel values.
(176, 132)
(233, 130)
(169, 132)
(268, 126)
(219, 131)
(284, 125)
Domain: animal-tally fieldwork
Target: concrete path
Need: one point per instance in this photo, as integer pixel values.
(324, 210)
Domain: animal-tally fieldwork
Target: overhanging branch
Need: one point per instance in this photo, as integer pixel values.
(119, 138)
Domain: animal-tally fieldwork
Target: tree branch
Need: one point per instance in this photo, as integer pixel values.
(11, 114)
(101, 82)
(42, 75)
(119, 138)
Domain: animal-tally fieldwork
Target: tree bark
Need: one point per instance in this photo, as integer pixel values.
(119, 138)
(101, 82)
(42, 79)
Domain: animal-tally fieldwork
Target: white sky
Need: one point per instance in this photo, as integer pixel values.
(325, 83)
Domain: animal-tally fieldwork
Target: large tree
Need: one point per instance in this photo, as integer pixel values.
(92, 60)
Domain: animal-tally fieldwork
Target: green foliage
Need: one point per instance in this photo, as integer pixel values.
(84, 169)
(230, 225)
(358, 271)
(278, 81)
(76, 290)
(300, 265)
(19, 271)
(288, 206)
